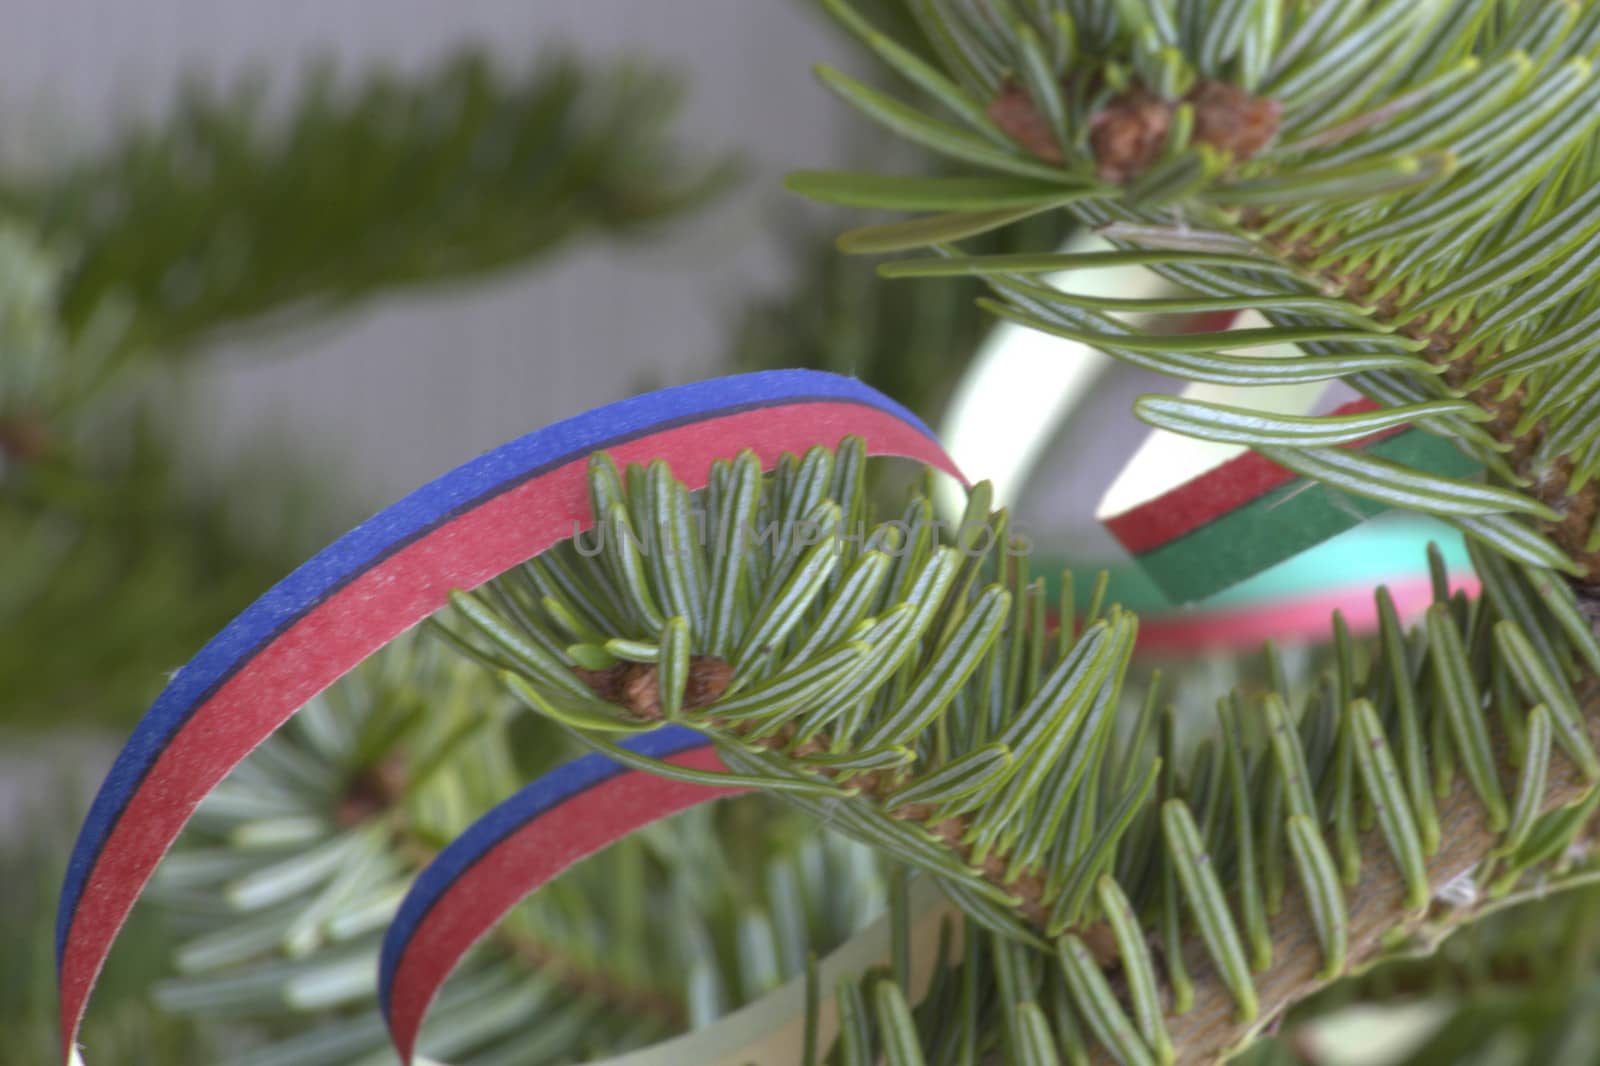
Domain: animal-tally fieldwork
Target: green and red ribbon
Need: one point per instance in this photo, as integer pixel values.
(1248, 514)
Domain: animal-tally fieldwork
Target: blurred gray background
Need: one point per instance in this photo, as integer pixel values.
(405, 390)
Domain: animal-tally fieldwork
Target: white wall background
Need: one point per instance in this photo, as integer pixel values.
(405, 390)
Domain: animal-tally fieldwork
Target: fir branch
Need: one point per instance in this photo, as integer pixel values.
(812, 667)
(1440, 192)
(1380, 924)
(842, 677)
(222, 215)
(638, 688)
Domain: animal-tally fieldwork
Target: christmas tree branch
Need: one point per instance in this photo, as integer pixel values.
(636, 688)
(901, 696)
(1380, 922)
(803, 630)
(1469, 368)
(1417, 218)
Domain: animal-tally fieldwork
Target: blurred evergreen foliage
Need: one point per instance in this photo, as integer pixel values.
(118, 567)
(223, 212)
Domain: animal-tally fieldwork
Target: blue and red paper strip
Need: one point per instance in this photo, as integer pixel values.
(523, 843)
(392, 571)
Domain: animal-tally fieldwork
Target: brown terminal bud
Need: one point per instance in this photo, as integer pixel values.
(1014, 112)
(1229, 118)
(637, 686)
(1128, 134)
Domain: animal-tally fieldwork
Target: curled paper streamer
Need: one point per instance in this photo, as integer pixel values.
(569, 813)
(1290, 602)
(389, 573)
(1239, 518)
(1292, 618)
(537, 833)
(1211, 517)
